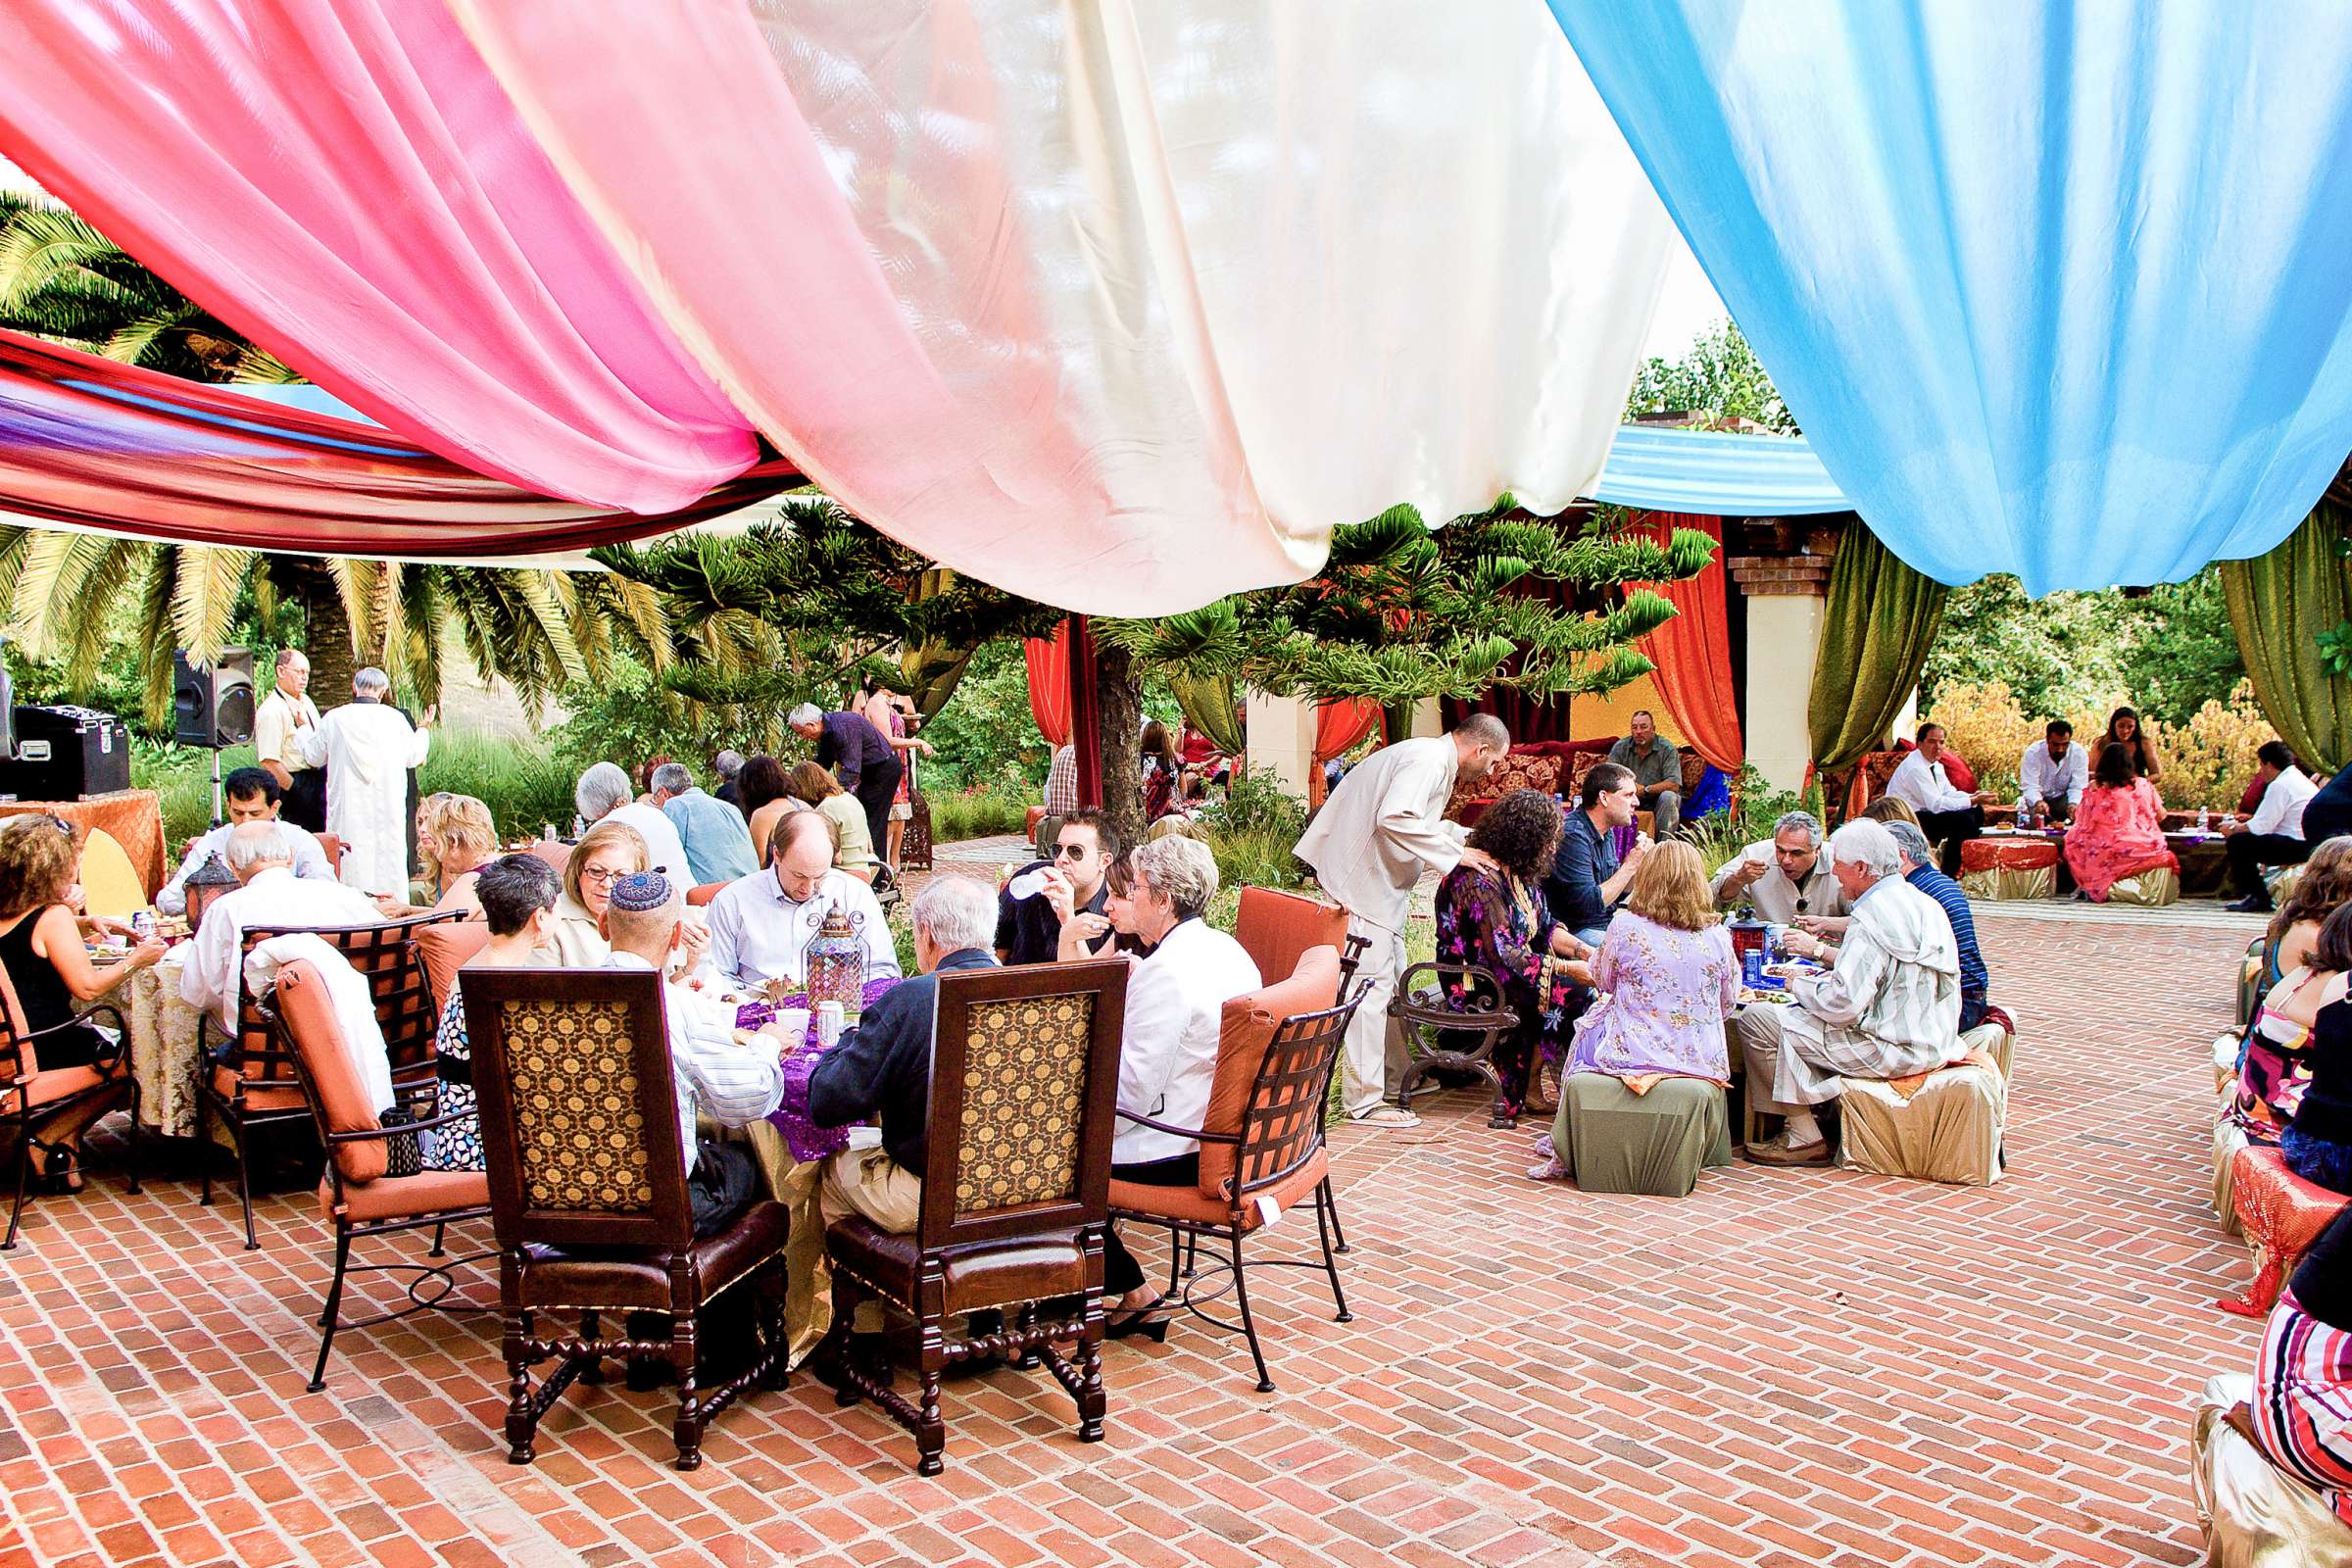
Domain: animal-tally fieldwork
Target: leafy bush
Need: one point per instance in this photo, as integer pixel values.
(986, 736)
(1259, 858)
(980, 811)
(631, 718)
(1257, 804)
(524, 785)
(1755, 806)
(2208, 760)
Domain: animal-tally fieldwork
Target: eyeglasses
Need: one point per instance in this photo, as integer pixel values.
(600, 875)
(1070, 852)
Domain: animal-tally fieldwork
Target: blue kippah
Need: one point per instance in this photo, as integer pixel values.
(640, 891)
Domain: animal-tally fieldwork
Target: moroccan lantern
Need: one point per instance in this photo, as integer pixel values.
(205, 885)
(837, 964)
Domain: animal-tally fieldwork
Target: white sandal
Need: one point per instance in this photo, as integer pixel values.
(1387, 1116)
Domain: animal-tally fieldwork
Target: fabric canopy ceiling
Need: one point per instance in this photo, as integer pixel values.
(1121, 307)
(90, 443)
(2054, 289)
(1717, 473)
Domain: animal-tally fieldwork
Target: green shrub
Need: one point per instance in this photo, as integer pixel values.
(1255, 804)
(980, 811)
(524, 785)
(1260, 857)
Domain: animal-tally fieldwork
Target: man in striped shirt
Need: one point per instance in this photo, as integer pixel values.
(1918, 869)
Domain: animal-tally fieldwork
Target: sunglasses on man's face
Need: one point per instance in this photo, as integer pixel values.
(1071, 852)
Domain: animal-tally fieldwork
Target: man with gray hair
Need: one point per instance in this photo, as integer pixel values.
(883, 1066)
(368, 747)
(1784, 878)
(728, 766)
(1918, 869)
(713, 834)
(860, 757)
(1381, 831)
(603, 792)
(1889, 1007)
(261, 854)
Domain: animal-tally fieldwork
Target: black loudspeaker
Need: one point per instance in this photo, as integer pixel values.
(213, 705)
(64, 754)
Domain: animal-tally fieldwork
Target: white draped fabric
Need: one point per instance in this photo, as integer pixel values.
(1121, 306)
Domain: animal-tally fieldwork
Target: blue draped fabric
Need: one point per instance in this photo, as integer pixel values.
(2058, 288)
(1719, 473)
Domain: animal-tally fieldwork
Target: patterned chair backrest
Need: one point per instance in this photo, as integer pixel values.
(579, 1111)
(385, 956)
(1024, 1090)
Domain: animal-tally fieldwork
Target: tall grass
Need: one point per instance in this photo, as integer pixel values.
(981, 812)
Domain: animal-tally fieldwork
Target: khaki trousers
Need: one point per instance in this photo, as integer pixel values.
(868, 1182)
(1375, 1055)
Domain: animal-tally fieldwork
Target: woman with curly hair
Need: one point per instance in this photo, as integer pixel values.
(1491, 913)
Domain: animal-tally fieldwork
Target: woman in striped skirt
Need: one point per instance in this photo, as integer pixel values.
(2302, 1404)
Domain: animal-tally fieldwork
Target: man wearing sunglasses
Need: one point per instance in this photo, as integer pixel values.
(1029, 929)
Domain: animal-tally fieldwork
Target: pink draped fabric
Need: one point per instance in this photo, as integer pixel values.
(91, 443)
(345, 182)
(2116, 834)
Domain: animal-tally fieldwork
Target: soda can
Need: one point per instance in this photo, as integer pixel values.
(1751, 969)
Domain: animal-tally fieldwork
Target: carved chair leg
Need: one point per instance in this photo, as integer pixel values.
(522, 1418)
(592, 1368)
(204, 1146)
(1093, 1401)
(16, 1210)
(1324, 1207)
(334, 1307)
(775, 1335)
(1024, 1321)
(1240, 1295)
(840, 1339)
(688, 1428)
(930, 1428)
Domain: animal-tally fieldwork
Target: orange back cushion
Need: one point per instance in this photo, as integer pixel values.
(1275, 928)
(444, 947)
(310, 1020)
(1247, 1030)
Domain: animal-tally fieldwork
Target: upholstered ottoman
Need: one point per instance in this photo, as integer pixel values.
(2151, 889)
(2282, 1215)
(1947, 1128)
(1656, 1143)
(2254, 1514)
(2227, 1138)
(2009, 868)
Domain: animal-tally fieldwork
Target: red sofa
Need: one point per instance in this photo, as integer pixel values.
(1556, 767)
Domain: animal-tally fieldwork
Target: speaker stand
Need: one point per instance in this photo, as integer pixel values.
(217, 819)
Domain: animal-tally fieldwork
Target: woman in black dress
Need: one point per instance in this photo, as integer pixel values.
(48, 968)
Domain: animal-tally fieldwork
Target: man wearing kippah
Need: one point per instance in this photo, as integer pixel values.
(732, 1083)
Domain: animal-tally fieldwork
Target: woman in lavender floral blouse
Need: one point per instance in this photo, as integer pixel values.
(1491, 913)
(1668, 977)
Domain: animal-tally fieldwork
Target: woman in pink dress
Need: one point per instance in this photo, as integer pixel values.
(2118, 829)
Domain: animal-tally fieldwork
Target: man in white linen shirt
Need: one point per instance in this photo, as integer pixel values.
(761, 925)
(252, 796)
(287, 708)
(2053, 774)
(1784, 877)
(1947, 816)
(734, 1082)
(262, 854)
(602, 794)
(2273, 834)
(1383, 829)
(368, 749)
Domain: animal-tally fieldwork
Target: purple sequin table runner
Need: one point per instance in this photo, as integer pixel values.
(801, 1135)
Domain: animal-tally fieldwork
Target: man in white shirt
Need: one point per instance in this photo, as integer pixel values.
(287, 708)
(761, 925)
(368, 749)
(734, 1082)
(262, 854)
(252, 796)
(1786, 877)
(2273, 835)
(1947, 816)
(2052, 775)
(603, 792)
(1381, 831)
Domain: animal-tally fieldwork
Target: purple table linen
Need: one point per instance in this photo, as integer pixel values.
(801, 1135)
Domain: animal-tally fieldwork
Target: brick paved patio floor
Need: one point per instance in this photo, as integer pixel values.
(1786, 1367)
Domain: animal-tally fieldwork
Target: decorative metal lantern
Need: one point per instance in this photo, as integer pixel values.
(837, 963)
(205, 885)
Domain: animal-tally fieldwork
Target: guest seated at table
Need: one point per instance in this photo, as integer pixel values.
(1918, 869)
(1064, 918)
(606, 853)
(1668, 982)
(2125, 729)
(882, 1067)
(1888, 809)
(2274, 1062)
(819, 791)
(261, 854)
(250, 794)
(2316, 1142)
(456, 839)
(2300, 1414)
(761, 925)
(1657, 770)
(1491, 913)
(2052, 776)
(717, 845)
(1783, 876)
(763, 792)
(1175, 1016)
(2324, 886)
(2328, 813)
(1889, 1008)
(48, 964)
(733, 1082)
(2273, 835)
(1585, 879)
(1949, 816)
(517, 894)
(2120, 830)
(602, 796)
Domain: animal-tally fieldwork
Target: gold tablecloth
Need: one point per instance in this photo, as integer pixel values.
(165, 1039)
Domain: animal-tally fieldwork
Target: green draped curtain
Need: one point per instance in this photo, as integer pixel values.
(1881, 619)
(2279, 605)
(1207, 704)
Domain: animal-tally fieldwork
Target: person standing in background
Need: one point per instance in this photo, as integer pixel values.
(368, 749)
(287, 708)
(860, 755)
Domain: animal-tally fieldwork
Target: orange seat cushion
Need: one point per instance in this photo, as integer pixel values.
(403, 1196)
(264, 1098)
(1191, 1204)
(56, 1083)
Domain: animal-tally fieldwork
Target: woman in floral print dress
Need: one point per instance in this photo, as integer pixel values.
(1491, 913)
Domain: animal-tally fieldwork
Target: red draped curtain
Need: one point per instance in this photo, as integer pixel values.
(1694, 650)
(1049, 684)
(1338, 727)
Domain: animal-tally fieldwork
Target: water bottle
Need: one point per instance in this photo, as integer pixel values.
(547, 832)
(1028, 885)
(142, 924)
(2025, 813)
(579, 828)
(2203, 816)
